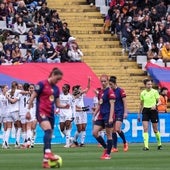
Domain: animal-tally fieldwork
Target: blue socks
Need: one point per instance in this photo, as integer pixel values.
(114, 136)
(101, 141)
(47, 139)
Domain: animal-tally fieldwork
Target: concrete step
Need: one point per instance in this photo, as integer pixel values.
(96, 46)
(104, 53)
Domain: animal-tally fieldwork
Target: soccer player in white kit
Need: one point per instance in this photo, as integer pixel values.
(66, 115)
(13, 116)
(80, 113)
(4, 112)
(33, 116)
(26, 124)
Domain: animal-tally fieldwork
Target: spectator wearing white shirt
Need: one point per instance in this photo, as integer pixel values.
(20, 26)
(75, 54)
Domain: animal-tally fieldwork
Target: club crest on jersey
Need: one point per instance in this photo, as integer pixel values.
(37, 87)
(51, 98)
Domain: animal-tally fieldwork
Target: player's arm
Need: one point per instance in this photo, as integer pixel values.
(125, 107)
(140, 110)
(24, 92)
(60, 106)
(96, 110)
(11, 100)
(82, 109)
(88, 86)
(112, 101)
(31, 100)
(30, 104)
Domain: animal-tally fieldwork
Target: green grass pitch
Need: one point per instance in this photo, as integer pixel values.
(88, 158)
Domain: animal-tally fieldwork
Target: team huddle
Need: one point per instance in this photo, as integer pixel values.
(14, 104)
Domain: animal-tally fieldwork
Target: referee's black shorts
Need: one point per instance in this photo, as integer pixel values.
(150, 115)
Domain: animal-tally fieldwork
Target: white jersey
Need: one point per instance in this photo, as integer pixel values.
(3, 105)
(64, 100)
(14, 107)
(23, 103)
(33, 110)
(79, 102)
(80, 117)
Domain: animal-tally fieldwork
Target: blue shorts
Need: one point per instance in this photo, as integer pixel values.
(46, 118)
(103, 123)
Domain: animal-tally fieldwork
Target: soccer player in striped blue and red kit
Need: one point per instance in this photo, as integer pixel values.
(47, 95)
(120, 114)
(104, 116)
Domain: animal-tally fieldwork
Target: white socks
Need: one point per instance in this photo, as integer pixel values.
(83, 135)
(7, 134)
(18, 135)
(68, 132)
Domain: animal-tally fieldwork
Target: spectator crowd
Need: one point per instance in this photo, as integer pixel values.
(143, 27)
(32, 32)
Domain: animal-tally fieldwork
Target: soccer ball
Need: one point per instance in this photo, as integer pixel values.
(57, 163)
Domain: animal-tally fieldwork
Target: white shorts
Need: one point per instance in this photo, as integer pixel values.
(80, 118)
(12, 117)
(64, 118)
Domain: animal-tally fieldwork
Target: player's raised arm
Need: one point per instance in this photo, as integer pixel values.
(88, 86)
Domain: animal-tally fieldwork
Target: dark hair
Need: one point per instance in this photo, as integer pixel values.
(147, 80)
(75, 90)
(56, 71)
(2, 86)
(26, 86)
(67, 86)
(113, 79)
(162, 89)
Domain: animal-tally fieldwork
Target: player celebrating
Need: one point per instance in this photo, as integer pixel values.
(4, 112)
(26, 124)
(149, 101)
(120, 114)
(47, 95)
(33, 116)
(13, 116)
(80, 112)
(105, 117)
(66, 114)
